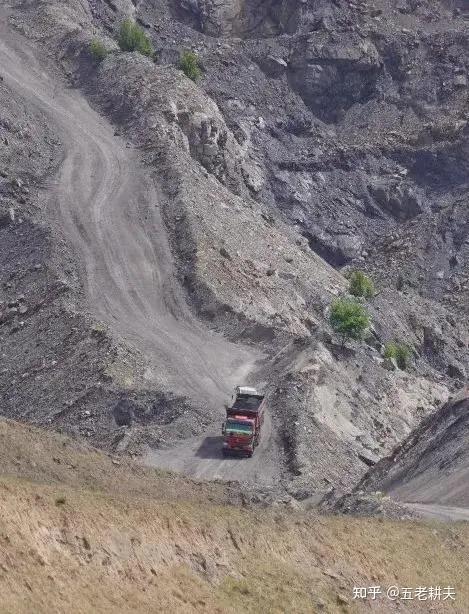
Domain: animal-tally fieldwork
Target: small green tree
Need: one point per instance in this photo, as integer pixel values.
(133, 38)
(361, 285)
(349, 318)
(400, 352)
(189, 64)
(98, 50)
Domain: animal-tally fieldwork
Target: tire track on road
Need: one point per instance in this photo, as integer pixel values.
(106, 204)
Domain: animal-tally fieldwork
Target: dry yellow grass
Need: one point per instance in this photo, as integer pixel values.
(66, 547)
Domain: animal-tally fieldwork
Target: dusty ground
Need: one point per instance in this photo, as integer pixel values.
(201, 457)
(39, 456)
(80, 534)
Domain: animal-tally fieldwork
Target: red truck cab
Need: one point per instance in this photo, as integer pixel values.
(242, 427)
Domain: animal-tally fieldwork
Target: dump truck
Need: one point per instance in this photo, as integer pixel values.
(244, 418)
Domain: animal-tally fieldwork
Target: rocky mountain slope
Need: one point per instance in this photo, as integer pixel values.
(82, 532)
(321, 136)
(431, 465)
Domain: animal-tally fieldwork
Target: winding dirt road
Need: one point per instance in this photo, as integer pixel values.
(107, 206)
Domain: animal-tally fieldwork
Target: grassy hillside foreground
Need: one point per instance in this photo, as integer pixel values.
(80, 533)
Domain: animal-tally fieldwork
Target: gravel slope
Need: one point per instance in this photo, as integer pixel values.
(429, 470)
(108, 208)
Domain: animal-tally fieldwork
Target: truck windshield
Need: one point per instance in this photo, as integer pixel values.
(233, 426)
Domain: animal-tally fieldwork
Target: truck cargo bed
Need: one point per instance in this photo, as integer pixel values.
(251, 403)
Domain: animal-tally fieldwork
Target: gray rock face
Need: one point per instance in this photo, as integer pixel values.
(401, 202)
(236, 18)
(123, 413)
(373, 504)
(332, 75)
(430, 466)
(207, 140)
(460, 81)
(274, 66)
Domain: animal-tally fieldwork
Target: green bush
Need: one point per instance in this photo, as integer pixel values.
(400, 352)
(349, 318)
(133, 38)
(98, 50)
(189, 64)
(361, 285)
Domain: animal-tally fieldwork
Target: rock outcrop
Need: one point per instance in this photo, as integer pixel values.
(432, 464)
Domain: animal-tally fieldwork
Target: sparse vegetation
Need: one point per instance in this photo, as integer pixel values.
(361, 285)
(189, 64)
(98, 50)
(349, 318)
(400, 352)
(87, 505)
(133, 38)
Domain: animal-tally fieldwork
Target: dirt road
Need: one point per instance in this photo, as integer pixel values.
(105, 203)
(444, 513)
(262, 468)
